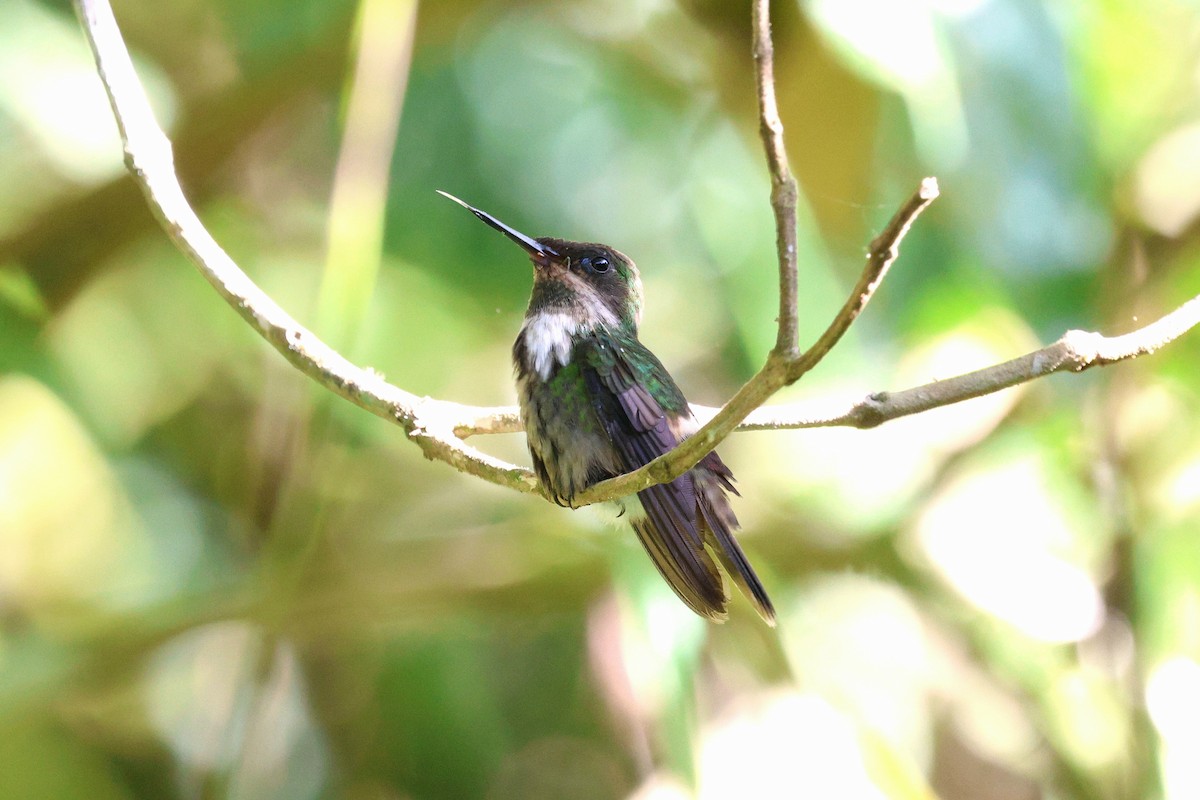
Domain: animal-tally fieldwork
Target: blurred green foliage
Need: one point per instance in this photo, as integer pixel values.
(218, 581)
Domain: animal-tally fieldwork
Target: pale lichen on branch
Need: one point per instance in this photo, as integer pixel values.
(439, 427)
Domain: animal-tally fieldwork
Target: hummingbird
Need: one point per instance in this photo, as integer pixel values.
(596, 403)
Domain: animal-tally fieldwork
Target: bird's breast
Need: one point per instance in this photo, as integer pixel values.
(566, 437)
(545, 342)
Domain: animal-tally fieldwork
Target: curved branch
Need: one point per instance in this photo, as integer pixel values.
(148, 156)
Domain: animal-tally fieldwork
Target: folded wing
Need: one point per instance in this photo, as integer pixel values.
(641, 408)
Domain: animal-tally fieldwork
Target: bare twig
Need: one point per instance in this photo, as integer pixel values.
(783, 183)
(885, 249)
(439, 427)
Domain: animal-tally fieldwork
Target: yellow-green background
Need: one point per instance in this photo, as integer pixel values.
(217, 580)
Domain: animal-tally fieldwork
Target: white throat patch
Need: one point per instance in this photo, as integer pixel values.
(548, 337)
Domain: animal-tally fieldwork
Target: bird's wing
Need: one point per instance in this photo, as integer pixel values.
(637, 400)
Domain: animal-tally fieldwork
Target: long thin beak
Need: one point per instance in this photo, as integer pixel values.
(530, 245)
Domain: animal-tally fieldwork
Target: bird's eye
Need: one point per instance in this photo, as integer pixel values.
(600, 264)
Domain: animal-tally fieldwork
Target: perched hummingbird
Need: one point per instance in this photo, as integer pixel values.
(596, 404)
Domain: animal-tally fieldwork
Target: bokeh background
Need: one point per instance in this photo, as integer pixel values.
(217, 580)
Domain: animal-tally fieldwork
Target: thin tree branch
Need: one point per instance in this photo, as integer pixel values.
(439, 427)
(149, 158)
(884, 251)
(783, 183)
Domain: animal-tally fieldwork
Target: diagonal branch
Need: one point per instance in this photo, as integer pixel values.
(439, 427)
(884, 251)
